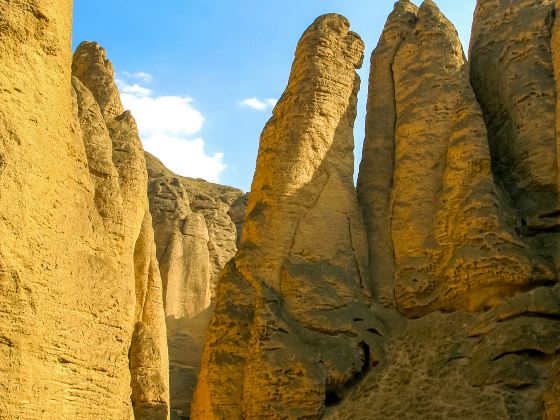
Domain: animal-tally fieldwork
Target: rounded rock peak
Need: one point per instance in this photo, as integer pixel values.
(333, 28)
(92, 50)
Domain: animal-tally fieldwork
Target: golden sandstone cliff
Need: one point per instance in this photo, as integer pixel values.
(429, 291)
(82, 328)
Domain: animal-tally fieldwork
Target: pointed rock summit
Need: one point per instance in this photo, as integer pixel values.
(291, 328)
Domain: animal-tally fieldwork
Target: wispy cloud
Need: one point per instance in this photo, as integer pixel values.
(167, 124)
(140, 75)
(259, 105)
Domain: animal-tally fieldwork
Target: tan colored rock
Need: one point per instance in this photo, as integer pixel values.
(512, 76)
(291, 329)
(195, 224)
(458, 228)
(77, 272)
(375, 180)
(148, 349)
(448, 237)
(440, 366)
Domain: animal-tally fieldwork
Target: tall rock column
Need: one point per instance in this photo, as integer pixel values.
(481, 337)
(149, 366)
(375, 180)
(513, 79)
(291, 327)
(446, 221)
(70, 300)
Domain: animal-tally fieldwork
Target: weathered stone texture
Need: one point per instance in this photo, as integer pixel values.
(196, 229)
(79, 287)
(512, 76)
(291, 324)
(446, 242)
(466, 366)
(458, 238)
(375, 180)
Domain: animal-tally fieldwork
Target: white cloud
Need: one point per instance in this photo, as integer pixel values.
(166, 124)
(258, 104)
(141, 76)
(185, 157)
(134, 89)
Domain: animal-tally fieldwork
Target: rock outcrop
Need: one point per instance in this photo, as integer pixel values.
(458, 234)
(445, 242)
(291, 329)
(98, 95)
(196, 229)
(513, 78)
(460, 302)
(81, 315)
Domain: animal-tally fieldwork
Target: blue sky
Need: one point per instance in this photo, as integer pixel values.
(201, 76)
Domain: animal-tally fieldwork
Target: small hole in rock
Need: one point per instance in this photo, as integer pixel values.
(331, 399)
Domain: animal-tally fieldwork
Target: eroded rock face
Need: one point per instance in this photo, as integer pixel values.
(95, 89)
(458, 238)
(467, 365)
(446, 239)
(513, 78)
(291, 327)
(196, 225)
(82, 326)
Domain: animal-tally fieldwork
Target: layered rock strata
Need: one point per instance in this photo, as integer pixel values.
(291, 329)
(81, 316)
(196, 232)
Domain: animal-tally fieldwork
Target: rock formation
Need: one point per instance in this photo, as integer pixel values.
(195, 225)
(375, 179)
(82, 331)
(513, 78)
(291, 329)
(455, 235)
(430, 292)
(448, 234)
(464, 317)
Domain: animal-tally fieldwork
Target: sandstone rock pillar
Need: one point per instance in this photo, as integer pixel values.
(291, 328)
(375, 180)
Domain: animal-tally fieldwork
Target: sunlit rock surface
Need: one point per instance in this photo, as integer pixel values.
(82, 328)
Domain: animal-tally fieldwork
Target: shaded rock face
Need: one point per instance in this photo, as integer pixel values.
(291, 329)
(467, 365)
(81, 316)
(513, 78)
(196, 231)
